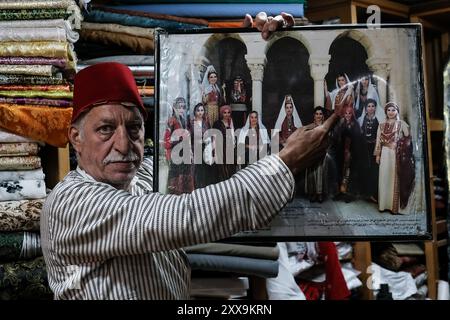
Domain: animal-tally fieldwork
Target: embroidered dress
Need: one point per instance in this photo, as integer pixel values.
(388, 184)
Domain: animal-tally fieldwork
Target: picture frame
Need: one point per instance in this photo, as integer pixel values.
(291, 80)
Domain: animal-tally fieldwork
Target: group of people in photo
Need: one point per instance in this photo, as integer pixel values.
(369, 155)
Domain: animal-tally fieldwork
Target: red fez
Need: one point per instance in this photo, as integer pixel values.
(103, 83)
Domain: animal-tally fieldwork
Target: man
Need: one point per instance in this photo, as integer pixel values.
(106, 235)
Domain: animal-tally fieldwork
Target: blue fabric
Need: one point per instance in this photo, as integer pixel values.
(128, 20)
(217, 9)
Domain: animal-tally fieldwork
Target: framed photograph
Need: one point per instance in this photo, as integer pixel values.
(226, 98)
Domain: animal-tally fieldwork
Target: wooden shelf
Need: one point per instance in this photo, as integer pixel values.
(436, 125)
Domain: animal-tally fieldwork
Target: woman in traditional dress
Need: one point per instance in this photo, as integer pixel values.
(180, 175)
(255, 140)
(211, 94)
(288, 120)
(197, 126)
(225, 124)
(389, 133)
(365, 90)
(342, 95)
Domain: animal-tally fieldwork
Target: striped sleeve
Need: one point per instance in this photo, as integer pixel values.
(91, 221)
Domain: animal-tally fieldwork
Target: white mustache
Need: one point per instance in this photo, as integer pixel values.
(114, 156)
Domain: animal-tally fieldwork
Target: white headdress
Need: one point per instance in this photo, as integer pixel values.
(371, 94)
(264, 136)
(206, 86)
(334, 93)
(282, 114)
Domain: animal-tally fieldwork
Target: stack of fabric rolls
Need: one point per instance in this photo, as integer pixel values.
(37, 65)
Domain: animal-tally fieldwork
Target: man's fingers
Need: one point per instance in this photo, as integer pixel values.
(260, 20)
(288, 19)
(248, 21)
(276, 23)
(330, 121)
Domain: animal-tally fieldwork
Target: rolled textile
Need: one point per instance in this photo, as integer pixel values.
(71, 35)
(159, 16)
(241, 265)
(229, 249)
(24, 280)
(129, 60)
(23, 215)
(31, 70)
(30, 34)
(137, 44)
(57, 62)
(55, 79)
(118, 28)
(46, 124)
(37, 94)
(35, 49)
(20, 163)
(22, 175)
(19, 245)
(55, 88)
(33, 14)
(6, 136)
(137, 21)
(38, 102)
(18, 149)
(22, 190)
(36, 4)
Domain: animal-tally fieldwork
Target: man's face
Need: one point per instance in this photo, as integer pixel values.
(111, 144)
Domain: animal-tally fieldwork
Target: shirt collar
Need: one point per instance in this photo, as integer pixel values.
(87, 176)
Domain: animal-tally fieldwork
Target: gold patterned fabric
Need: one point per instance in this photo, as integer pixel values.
(47, 124)
(65, 88)
(41, 94)
(56, 79)
(32, 70)
(35, 49)
(33, 14)
(137, 44)
(117, 28)
(20, 215)
(18, 149)
(20, 163)
(24, 280)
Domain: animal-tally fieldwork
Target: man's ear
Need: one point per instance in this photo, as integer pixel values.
(75, 138)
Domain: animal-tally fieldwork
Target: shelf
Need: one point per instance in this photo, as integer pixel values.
(441, 226)
(436, 125)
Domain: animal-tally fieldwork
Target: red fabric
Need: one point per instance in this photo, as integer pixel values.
(102, 83)
(336, 287)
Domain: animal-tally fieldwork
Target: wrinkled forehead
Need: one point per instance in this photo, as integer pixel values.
(114, 113)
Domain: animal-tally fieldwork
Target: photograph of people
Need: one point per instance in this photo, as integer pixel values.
(342, 95)
(254, 140)
(288, 120)
(180, 175)
(226, 126)
(389, 132)
(211, 94)
(202, 161)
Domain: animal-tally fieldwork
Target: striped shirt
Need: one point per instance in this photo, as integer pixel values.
(103, 243)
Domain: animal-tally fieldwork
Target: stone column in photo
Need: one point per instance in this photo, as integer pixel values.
(257, 72)
(319, 69)
(381, 68)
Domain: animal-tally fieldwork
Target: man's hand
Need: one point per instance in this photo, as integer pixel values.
(268, 24)
(306, 146)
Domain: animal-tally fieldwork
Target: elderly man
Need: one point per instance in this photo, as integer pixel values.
(106, 235)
